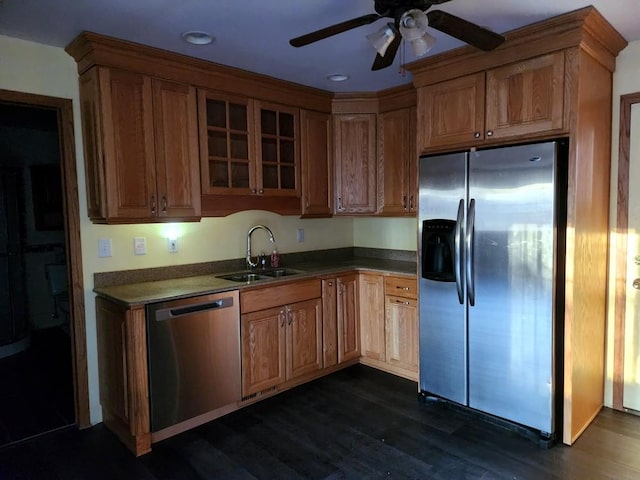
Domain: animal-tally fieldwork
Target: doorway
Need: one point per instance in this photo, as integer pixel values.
(42, 331)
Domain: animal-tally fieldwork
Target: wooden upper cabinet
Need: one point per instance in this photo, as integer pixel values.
(316, 163)
(277, 150)
(526, 97)
(523, 99)
(227, 155)
(141, 149)
(397, 162)
(355, 163)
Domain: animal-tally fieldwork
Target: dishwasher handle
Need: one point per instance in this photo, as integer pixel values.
(170, 313)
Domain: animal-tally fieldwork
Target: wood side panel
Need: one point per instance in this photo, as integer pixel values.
(137, 373)
(265, 297)
(621, 244)
(329, 322)
(304, 338)
(587, 248)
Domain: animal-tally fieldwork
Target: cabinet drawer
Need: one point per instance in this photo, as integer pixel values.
(275, 296)
(401, 286)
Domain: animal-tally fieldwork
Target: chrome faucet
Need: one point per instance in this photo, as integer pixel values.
(250, 263)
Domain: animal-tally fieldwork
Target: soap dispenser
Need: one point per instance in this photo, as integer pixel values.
(275, 259)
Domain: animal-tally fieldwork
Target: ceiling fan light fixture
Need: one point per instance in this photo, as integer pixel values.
(338, 77)
(382, 38)
(421, 46)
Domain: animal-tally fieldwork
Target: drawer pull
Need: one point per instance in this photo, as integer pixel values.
(406, 289)
(402, 302)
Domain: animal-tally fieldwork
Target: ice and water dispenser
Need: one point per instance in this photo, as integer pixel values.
(438, 250)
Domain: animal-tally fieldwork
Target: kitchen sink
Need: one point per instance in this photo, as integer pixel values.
(280, 272)
(258, 275)
(244, 277)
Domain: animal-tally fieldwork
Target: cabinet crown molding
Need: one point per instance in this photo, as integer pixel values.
(585, 28)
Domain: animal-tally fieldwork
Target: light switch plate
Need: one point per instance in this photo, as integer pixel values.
(140, 246)
(104, 247)
(173, 245)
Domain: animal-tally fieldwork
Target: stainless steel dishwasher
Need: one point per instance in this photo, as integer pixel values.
(194, 357)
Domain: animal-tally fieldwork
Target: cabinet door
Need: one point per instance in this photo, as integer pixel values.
(526, 97)
(371, 292)
(176, 148)
(304, 338)
(277, 149)
(397, 162)
(127, 119)
(451, 112)
(402, 332)
(355, 163)
(315, 129)
(263, 350)
(227, 158)
(329, 322)
(348, 318)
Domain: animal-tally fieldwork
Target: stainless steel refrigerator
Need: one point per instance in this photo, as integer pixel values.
(489, 282)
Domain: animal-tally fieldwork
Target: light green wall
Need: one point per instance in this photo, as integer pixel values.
(38, 69)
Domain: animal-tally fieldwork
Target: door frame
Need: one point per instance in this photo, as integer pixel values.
(64, 109)
(621, 246)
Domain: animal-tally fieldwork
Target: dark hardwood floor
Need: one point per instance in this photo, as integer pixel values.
(358, 423)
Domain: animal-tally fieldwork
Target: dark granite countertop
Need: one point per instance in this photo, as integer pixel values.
(141, 293)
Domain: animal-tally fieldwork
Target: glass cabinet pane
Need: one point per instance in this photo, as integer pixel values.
(286, 125)
(217, 144)
(239, 175)
(239, 146)
(268, 121)
(216, 114)
(238, 117)
(287, 152)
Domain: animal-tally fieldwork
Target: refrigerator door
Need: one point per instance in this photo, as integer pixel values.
(443, 358)
(511, 277)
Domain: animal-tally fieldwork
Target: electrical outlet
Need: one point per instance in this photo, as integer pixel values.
(104, 247)
(173, 245)
(301, 235)
(140, 246)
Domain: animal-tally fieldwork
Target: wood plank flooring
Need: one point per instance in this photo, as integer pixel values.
(358, 423)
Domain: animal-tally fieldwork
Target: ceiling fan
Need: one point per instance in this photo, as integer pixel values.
(409, 22)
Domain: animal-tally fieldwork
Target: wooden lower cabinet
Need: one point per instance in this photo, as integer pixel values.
(122, 361)
(348, 317)
(389, 323)
(280, 343)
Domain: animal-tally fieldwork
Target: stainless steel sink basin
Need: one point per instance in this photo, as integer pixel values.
(280, 272)
(258, 275)
(244, 277)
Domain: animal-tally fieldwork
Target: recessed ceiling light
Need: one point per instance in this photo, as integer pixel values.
(338, 77)
(197, 38)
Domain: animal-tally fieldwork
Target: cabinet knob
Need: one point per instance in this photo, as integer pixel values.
(476, 134)
(261, 191)
(339, 203)
(253, 190)
(489, 133)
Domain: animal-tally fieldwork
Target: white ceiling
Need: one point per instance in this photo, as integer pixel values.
(254, 34)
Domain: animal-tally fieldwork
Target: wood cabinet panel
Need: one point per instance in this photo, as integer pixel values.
(176, 153)
(329, 322)
(316, 164)
(355, 163)
(401, 326)
(348, 317)
(263, 350)
(372, 334)
(451, 112)
(304, 338)
(526, 97)
(397, 162)
(401, 286)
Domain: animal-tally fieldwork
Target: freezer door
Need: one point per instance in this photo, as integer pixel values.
(443, 369)
(511, 280)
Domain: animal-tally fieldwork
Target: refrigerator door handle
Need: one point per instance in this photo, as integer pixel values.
(471, 218)
(458, 246)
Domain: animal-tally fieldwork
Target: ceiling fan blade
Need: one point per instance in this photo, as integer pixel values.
(463, 30)
(334, 30)
(381, 62)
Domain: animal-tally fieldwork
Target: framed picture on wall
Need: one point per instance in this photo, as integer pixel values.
(46, 192)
